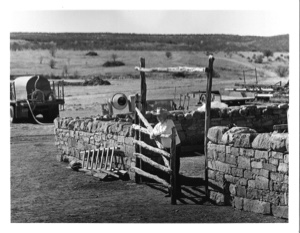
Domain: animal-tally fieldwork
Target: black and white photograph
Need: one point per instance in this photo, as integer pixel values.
(152, 113)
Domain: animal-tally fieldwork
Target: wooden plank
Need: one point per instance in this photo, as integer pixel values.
(87, 160)
(102, 155)
(82, 152)
(207, 117)
(92, 159)
(97, 157)
(109, 172)
(148, 126)
(150, 176)
(166, 162)
(144, 120)
(180, 69)
(100, 175)
(151, 148)
(152, 163)
(106, 158)
(140, 128)
(173, 176)
(136, 137)
(111, 158)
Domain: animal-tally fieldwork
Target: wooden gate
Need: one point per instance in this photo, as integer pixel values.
(168, 167)
(209, 72)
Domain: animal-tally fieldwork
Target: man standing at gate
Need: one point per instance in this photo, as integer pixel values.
(163, 130)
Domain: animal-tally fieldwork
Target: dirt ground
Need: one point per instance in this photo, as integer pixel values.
(43, 190)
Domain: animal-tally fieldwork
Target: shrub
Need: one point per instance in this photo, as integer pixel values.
(114, 57)
(113, 63)
(52, 63)
(259, 59)
(178, 75)
(52, 50)
(76, 74)
(216, 74)
(282, 71)
(15, 46)
(91, 53)
(65, 71)
(268, 53)
(94, 81)
(168, 54)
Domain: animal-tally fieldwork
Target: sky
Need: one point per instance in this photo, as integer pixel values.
(266, 20)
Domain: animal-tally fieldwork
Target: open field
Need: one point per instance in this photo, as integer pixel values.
(227, 65)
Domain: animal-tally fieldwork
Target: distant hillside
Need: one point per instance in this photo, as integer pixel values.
(116, 41)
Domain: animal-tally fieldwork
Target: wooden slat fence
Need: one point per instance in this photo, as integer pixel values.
(171, 185)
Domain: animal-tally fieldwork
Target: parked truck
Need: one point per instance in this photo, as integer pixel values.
(33, 95)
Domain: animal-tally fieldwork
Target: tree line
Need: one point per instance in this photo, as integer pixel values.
(120, 41)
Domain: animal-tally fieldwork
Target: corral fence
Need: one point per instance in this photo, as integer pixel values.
(140, 145)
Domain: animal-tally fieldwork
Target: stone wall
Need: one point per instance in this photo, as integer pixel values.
(75, 135)
(249, 170)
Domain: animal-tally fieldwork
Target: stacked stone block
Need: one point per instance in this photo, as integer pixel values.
(249, 170)
(75, 135)
(190, 125)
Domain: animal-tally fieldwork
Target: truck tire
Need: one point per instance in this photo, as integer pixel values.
(12, 115)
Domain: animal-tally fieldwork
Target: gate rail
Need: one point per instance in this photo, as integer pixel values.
(168, 167)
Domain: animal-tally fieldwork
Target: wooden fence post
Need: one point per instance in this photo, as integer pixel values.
(63, 94)
(256, 76)
(143, 87)
(244, 77)
(207, 116)
(173, 177)
(136, 137)
(143, 106)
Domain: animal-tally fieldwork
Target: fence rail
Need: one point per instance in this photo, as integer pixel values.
(138, 141)
(172, 69)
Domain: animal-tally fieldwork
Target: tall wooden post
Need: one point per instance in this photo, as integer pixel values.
(143, 87)
(143, 109)
(173, 176)
(244, 77)
(63, 93)
(207, 116)
(53, 88)
(58, 93)
(136, 137)
(256, 76)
